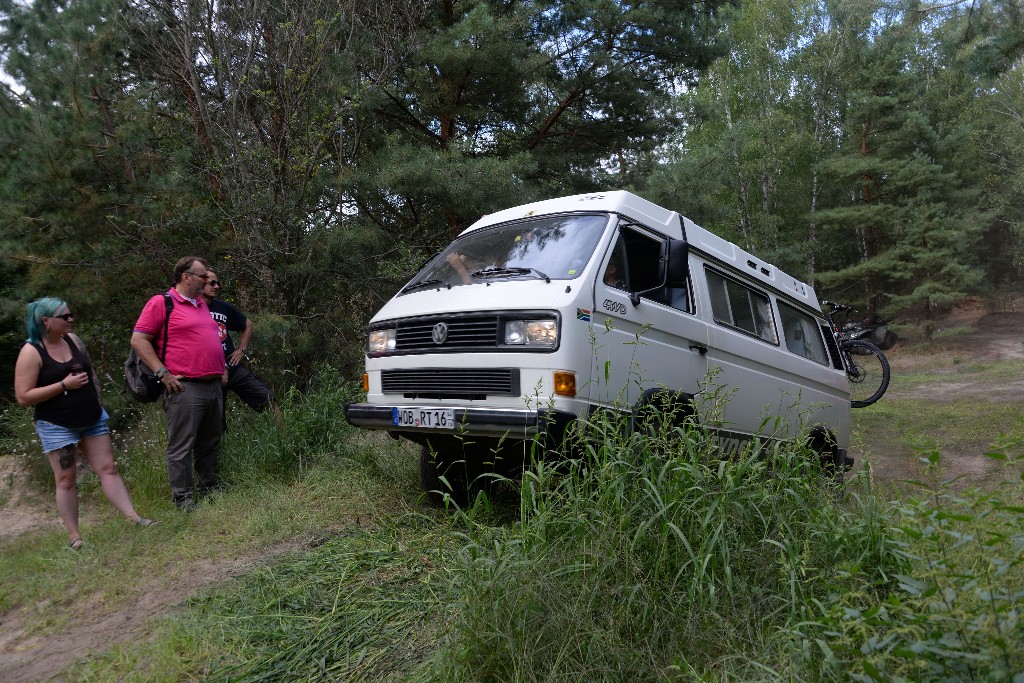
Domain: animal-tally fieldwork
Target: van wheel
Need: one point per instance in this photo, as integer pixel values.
(823, 442)
(658, 411)
(439, 475)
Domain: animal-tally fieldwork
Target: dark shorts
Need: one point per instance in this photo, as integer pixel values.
(249, 387)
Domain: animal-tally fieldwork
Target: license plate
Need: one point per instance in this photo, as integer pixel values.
(430, 418)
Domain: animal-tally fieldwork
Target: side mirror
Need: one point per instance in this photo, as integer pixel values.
(673, 264)
(673, 268)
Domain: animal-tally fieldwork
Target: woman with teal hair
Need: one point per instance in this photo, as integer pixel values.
(54, 374)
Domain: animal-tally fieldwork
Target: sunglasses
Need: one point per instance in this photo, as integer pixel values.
(65, 317)
(214, 283)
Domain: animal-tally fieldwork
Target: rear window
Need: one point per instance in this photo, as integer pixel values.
(802, 334)
(736, 305)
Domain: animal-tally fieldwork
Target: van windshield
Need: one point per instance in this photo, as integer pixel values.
(546, 248)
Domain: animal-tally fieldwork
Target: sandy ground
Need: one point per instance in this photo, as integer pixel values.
(28, 656)
(996, 337)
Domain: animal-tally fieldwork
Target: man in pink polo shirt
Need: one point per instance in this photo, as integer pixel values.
(192, 378)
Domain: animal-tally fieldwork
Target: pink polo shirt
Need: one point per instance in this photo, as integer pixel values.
(193, 339)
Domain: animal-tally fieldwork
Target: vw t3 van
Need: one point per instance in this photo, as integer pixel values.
(539, 315)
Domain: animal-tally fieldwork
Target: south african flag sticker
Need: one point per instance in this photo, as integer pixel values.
(583, 314)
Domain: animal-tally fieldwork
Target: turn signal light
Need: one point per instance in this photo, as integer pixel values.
(565, 383)
(366, 382)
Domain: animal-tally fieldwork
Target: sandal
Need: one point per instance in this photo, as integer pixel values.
(142, 521)
(76, 544)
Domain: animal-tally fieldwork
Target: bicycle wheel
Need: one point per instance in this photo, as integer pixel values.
(868, 372)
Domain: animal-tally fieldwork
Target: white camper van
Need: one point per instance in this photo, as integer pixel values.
(539, 315)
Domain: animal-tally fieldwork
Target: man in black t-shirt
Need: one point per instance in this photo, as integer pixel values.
(248, 386)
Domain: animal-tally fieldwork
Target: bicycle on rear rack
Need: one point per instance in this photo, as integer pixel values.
(866, 365)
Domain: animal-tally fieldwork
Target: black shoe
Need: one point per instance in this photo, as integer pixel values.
(185, 504)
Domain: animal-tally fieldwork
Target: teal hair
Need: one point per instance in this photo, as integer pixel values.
(37, 310)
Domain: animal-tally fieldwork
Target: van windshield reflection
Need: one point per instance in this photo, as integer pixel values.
(548, 248)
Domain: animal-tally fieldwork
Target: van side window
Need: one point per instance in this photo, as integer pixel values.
(802, 335)
(633, 267)
(742, 307)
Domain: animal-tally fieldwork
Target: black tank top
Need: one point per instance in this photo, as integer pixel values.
(80, 407)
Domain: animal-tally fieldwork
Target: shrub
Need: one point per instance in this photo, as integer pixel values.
(955, 614)
(314, 428)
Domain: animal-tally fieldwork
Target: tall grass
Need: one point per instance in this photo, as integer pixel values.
(255, 447)
(643, 555)
(356, 607)
(956, 612)
(653, 559)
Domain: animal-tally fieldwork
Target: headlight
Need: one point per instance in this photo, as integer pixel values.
(531, 333)
(381, 341)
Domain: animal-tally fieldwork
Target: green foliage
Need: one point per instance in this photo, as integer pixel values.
(652, 544)
(840, 140)
(646, 557)
(368, 589)
(313, 432)
(956, 613)
(306, 149)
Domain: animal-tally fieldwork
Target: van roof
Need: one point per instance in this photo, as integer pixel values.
(670, 223)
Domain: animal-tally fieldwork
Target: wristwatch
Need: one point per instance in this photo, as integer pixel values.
(160, 373)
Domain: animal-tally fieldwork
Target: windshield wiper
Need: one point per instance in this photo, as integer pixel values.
(423, 283)
(495, 271)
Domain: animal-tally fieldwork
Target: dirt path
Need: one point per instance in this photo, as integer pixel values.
(998, 337)
(28, 656)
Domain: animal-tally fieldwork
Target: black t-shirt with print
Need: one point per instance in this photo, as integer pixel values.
(228, 319)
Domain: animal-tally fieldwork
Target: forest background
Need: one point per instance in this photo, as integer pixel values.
(316, 152)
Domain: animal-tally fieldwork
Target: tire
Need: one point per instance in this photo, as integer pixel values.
(434, 466)
(869, 372)
(659, 411)
(834, 461)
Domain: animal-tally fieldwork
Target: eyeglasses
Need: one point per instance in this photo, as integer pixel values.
(65, 317)
(214, 283)
(202, 276)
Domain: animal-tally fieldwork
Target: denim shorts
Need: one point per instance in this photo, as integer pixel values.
(54, 437)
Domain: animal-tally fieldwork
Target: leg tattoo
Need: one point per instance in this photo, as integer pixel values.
(66, 457)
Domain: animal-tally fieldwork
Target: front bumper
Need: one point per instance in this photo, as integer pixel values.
(495, 422)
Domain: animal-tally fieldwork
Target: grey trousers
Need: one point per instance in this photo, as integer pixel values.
(193, 437)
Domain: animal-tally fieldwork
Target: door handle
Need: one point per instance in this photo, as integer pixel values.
(698, 347)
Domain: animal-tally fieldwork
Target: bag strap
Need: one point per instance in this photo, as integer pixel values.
(169, 305)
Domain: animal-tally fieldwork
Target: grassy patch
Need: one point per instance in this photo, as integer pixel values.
(315, 475)
(946, 367)
(964, 426)
(361, 604)
(944, 404)
(645, 557)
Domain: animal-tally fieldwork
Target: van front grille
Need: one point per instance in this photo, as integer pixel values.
(460, 383)
(461, 333)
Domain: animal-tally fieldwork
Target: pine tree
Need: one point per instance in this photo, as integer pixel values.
(78, 192)
(908, 234)
(505, 102)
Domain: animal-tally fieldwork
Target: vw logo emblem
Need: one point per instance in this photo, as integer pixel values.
(440, 333)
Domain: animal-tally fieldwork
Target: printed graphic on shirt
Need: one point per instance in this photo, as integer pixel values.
(222, 327)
